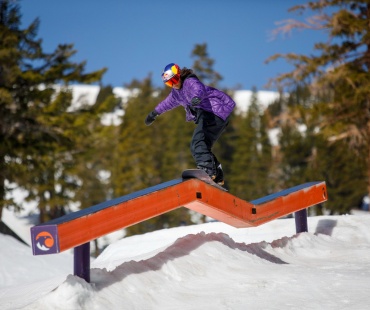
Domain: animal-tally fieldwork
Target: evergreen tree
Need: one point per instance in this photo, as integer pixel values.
(251, 163)
(203, 66)
(94, 156)
(307, 155)
(36, 130)
(137, 167)
(147, 156)
(340, 65)
(296, 151)
(345, 174)
(296, 141)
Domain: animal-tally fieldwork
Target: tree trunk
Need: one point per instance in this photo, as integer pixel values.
(97, 250)
(367, 57)
(2, 184)
(368, 153)
(42, 215)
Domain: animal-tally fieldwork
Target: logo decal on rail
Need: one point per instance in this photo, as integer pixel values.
(44, 241)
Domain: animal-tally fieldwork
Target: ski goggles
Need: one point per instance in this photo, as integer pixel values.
(171, 75)
(172, 81)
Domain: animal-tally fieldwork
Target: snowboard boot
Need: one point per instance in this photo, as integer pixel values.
(219, 177)
(209, 171)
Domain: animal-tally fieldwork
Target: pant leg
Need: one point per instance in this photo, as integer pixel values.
(208, 130)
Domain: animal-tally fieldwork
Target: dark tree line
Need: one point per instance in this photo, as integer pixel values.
(338, 72)
(38, 137)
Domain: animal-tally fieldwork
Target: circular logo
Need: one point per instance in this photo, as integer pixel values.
(44, 241)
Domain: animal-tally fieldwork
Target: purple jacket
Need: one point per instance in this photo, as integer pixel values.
(212, 99)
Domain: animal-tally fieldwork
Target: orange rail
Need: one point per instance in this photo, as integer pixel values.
(83, 226)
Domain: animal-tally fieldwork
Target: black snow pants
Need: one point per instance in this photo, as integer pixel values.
(209, 128)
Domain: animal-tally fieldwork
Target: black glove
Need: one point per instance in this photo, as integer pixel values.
(195, 101)
(151, 118)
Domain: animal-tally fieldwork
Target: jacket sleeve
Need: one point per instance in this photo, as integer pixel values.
(167, 104)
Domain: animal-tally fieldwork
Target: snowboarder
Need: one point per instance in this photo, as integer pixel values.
(208, 107)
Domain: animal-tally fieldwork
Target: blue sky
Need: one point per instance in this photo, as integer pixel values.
(136, 38)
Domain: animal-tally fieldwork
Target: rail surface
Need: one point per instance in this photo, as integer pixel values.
(81, 227)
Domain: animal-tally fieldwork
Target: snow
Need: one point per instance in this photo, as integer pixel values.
(264, 98)
(21, 221)
(87, 94)
(206, 266)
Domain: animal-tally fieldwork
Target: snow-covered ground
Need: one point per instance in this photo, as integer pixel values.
(207, 266)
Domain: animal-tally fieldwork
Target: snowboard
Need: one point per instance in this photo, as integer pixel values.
(201, 175)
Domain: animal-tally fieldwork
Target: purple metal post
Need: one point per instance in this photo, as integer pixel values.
(301, 221)
(82, 261)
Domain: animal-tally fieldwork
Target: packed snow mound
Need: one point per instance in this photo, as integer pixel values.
(215, 266)
(18, 265)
